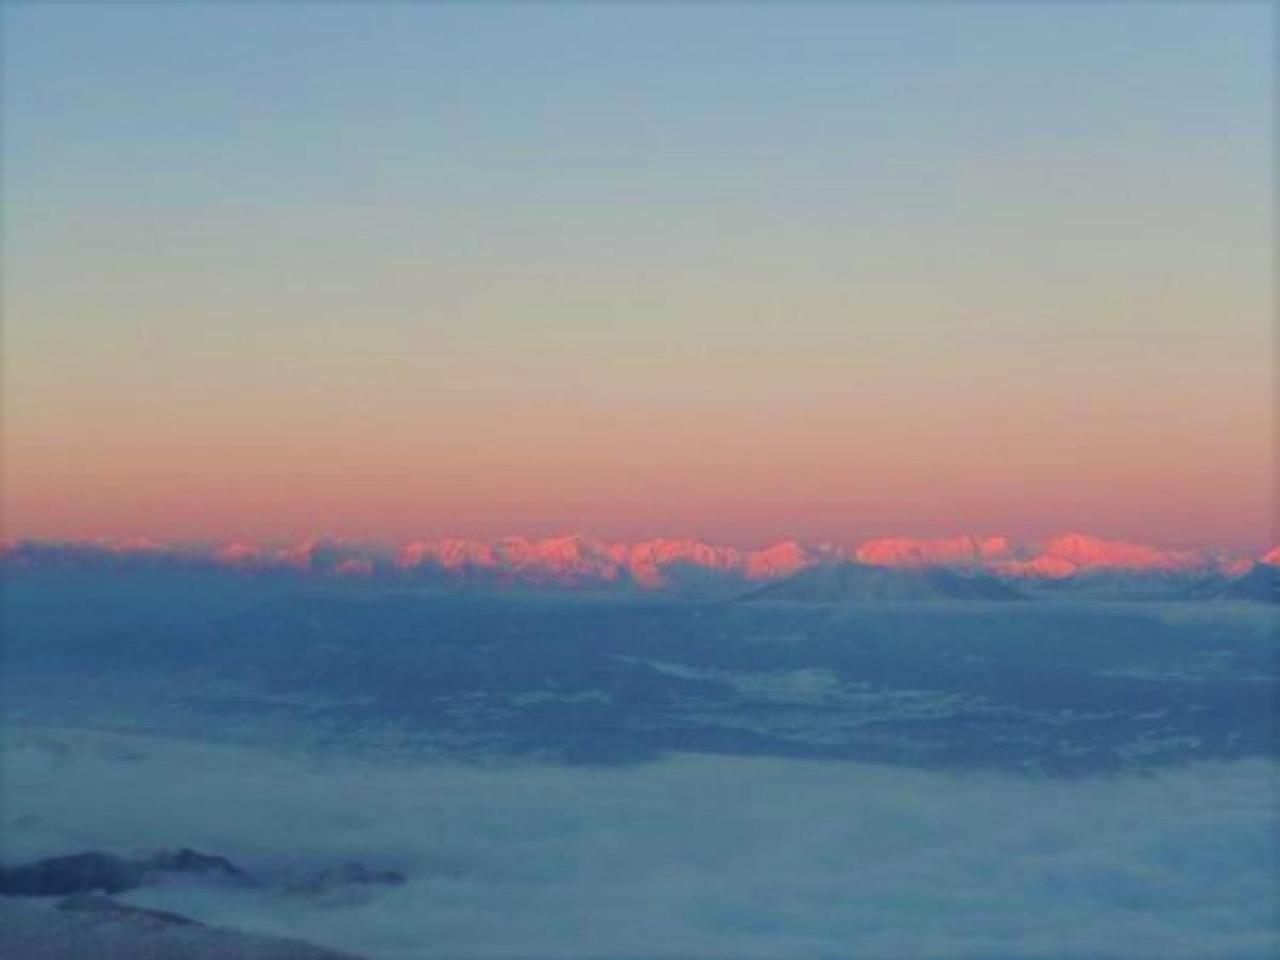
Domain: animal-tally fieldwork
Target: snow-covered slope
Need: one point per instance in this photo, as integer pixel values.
(1080, 564)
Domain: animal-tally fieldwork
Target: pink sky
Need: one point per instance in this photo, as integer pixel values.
(262, 280)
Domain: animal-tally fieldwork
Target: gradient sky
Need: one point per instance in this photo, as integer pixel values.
(737, 271)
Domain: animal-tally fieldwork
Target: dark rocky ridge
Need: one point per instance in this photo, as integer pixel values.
(93, 871)
(85, 922)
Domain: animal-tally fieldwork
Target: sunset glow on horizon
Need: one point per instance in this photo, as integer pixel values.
(815, 271)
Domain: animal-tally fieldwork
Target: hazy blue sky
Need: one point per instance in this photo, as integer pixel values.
(735, 270)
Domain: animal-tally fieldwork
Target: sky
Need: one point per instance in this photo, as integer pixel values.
(743, 272)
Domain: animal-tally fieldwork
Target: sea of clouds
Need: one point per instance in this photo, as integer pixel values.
(693, 856)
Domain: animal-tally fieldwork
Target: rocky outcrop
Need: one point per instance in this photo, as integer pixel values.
(77, 873)
(106, 872)
(94, 873)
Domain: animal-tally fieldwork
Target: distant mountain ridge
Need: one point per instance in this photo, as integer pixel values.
(663, 563)
(842, 581)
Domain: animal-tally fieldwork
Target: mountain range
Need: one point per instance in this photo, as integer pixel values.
(1075, 561)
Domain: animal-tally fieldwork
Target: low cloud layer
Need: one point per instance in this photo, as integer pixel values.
(692, 856)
